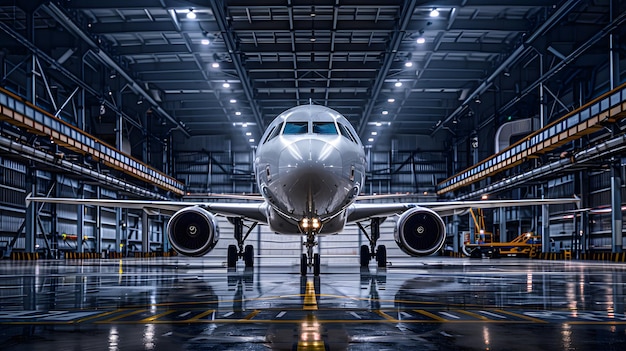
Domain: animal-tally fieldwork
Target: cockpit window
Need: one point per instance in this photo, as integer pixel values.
(296, 128)
(324, 128)
(275, 131)
(346, 132)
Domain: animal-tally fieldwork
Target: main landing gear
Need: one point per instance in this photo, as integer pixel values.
(367, 253)
(309, 259)
(240, 251)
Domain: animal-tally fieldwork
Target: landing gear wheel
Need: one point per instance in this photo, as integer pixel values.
(248, 256)
(365, 256)
(476, 253)
(232, 256)
(381, 256)
(303, 264)
(316, 264)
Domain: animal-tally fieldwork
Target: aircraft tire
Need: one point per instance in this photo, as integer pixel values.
(381, 256)
(476, 253)
(303, 264)
(248, 256)
(365, 256)
(232, 256)
(316, 264)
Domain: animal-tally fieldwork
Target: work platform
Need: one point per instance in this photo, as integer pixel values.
(196, 304)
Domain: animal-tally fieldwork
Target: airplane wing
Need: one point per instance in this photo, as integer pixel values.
(362, 211)
(253, 211)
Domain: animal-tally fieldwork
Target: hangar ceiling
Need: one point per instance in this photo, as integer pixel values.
(390, 67)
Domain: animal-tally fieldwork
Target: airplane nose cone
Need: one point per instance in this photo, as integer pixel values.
(311, 175)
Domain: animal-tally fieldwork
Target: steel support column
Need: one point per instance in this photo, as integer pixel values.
(80, 220)
(145, 232)
(545, 229)
(616, 207)
(30, 226)
(118, 229)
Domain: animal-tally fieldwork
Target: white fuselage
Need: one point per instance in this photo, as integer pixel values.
(310, 166)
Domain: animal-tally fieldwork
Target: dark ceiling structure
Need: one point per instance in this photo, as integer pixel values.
(392, 67)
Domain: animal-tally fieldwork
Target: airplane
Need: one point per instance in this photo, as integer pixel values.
(310, 169)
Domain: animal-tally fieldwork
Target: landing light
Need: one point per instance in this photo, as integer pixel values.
(312, 223)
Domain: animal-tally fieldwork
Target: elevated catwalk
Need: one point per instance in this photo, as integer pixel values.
(196, 304)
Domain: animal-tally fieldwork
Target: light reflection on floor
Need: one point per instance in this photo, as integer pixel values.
(426, 304)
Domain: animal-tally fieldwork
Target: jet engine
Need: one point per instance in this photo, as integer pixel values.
(420, 232)
(193, 231)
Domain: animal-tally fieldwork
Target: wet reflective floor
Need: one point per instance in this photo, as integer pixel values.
(427, 304)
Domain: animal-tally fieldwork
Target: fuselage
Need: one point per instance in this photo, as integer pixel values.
(310, 166)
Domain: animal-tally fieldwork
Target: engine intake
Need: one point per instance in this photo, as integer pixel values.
(193, 231)
(420, 232)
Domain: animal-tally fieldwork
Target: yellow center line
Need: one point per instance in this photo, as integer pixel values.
(310, 302)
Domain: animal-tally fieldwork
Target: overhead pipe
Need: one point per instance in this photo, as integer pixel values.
(67, 166)
(516, 55)
(612, 146)
(56, 13)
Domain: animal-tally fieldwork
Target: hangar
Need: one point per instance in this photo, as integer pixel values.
(163, 103)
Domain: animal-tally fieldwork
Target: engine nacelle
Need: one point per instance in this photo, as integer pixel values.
(193, 231)
(420, 232)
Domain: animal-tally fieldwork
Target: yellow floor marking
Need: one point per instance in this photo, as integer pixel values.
(252, 315)
(156, 316)
(536, 320)
(197, 317)
(386, 316)
(122, 316)
(472, 314)
(310, 302)
(96, 316)
(431, 315)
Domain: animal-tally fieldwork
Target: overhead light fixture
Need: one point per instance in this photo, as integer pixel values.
(385, 112)
(205, 42)
(232, 101)
(226, 85)
(391, 100)
(248, 133)
(244, 125)
(477, 100)
(378, 124)
(421, 40)
(191, 14)
(237, 113)
(215, 65)
(374, 133)
(370, 140)
(251, 140)
(398, 84)
(408, 64)
(434, 13)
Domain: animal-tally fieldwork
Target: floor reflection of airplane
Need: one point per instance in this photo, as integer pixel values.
(310, 169)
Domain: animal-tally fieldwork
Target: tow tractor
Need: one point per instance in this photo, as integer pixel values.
(525, 245)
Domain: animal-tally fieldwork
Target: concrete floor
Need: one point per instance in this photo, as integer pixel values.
(420, 304)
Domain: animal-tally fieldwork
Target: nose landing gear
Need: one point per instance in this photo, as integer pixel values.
(310, 260)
